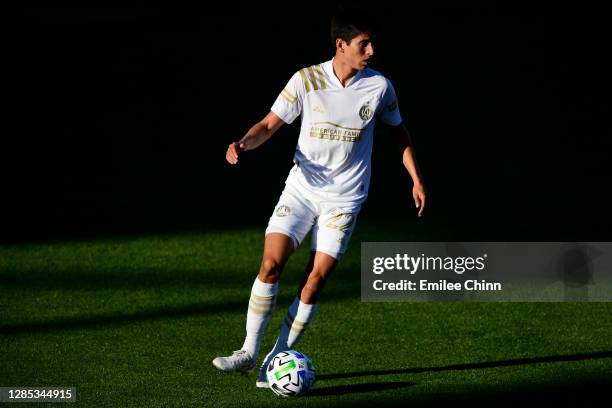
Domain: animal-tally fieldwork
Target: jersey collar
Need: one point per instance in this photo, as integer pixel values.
(329, 70)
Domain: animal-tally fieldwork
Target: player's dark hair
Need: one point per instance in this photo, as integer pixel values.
(349, 21)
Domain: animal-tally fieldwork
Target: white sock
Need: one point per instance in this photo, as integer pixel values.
(261, 305)
(305, 314)
(297, 319)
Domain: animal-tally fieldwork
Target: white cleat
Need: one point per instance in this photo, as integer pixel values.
(240, 361)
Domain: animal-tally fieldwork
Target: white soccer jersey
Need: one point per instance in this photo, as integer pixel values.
(333, 155)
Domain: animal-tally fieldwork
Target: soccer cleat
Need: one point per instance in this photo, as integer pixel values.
(240, 361)
(262, 380)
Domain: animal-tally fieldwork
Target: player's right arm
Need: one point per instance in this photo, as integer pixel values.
(286, 108)
(257, 135)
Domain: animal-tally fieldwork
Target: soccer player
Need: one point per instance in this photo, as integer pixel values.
(339, 102)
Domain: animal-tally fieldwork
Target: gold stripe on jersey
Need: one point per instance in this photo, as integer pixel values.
(304, 79)
(312, 78)
(288, 96)
(321, 77)
(337, 125)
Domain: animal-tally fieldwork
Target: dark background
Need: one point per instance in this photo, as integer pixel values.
(118, 119)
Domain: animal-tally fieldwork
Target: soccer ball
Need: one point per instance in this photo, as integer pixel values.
(290, 373)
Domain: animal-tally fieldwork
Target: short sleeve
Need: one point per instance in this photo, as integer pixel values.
(288, 104)
(388, 111)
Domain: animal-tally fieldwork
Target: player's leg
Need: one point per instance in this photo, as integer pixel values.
(330, 237)
(304, 306)
(289, 224)
(320, 268)
(302, 310)
(277, 249)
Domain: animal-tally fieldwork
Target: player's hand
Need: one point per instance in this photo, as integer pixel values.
(233, 151)
(418, 193)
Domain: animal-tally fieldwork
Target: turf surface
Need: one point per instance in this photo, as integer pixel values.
(136, 320)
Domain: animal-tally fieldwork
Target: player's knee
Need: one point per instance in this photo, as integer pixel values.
(270, 270)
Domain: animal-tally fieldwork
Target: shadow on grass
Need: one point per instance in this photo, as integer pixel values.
(167, 312)
(358, 388)
(82, 322)
(473, 366)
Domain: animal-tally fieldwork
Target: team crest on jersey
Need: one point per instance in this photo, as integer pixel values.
(366, 112)
(283, 211)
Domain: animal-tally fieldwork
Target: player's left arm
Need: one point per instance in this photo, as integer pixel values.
(406, 145)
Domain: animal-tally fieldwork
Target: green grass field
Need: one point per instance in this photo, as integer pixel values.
(136, 321)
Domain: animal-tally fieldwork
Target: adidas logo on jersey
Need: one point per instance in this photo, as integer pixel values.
(318, 109)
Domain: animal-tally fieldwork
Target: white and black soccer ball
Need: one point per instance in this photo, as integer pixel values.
(290, 373)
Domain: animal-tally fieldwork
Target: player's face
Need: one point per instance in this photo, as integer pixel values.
(359, 51)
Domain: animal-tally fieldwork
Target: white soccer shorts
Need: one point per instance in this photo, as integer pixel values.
(332, 223)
